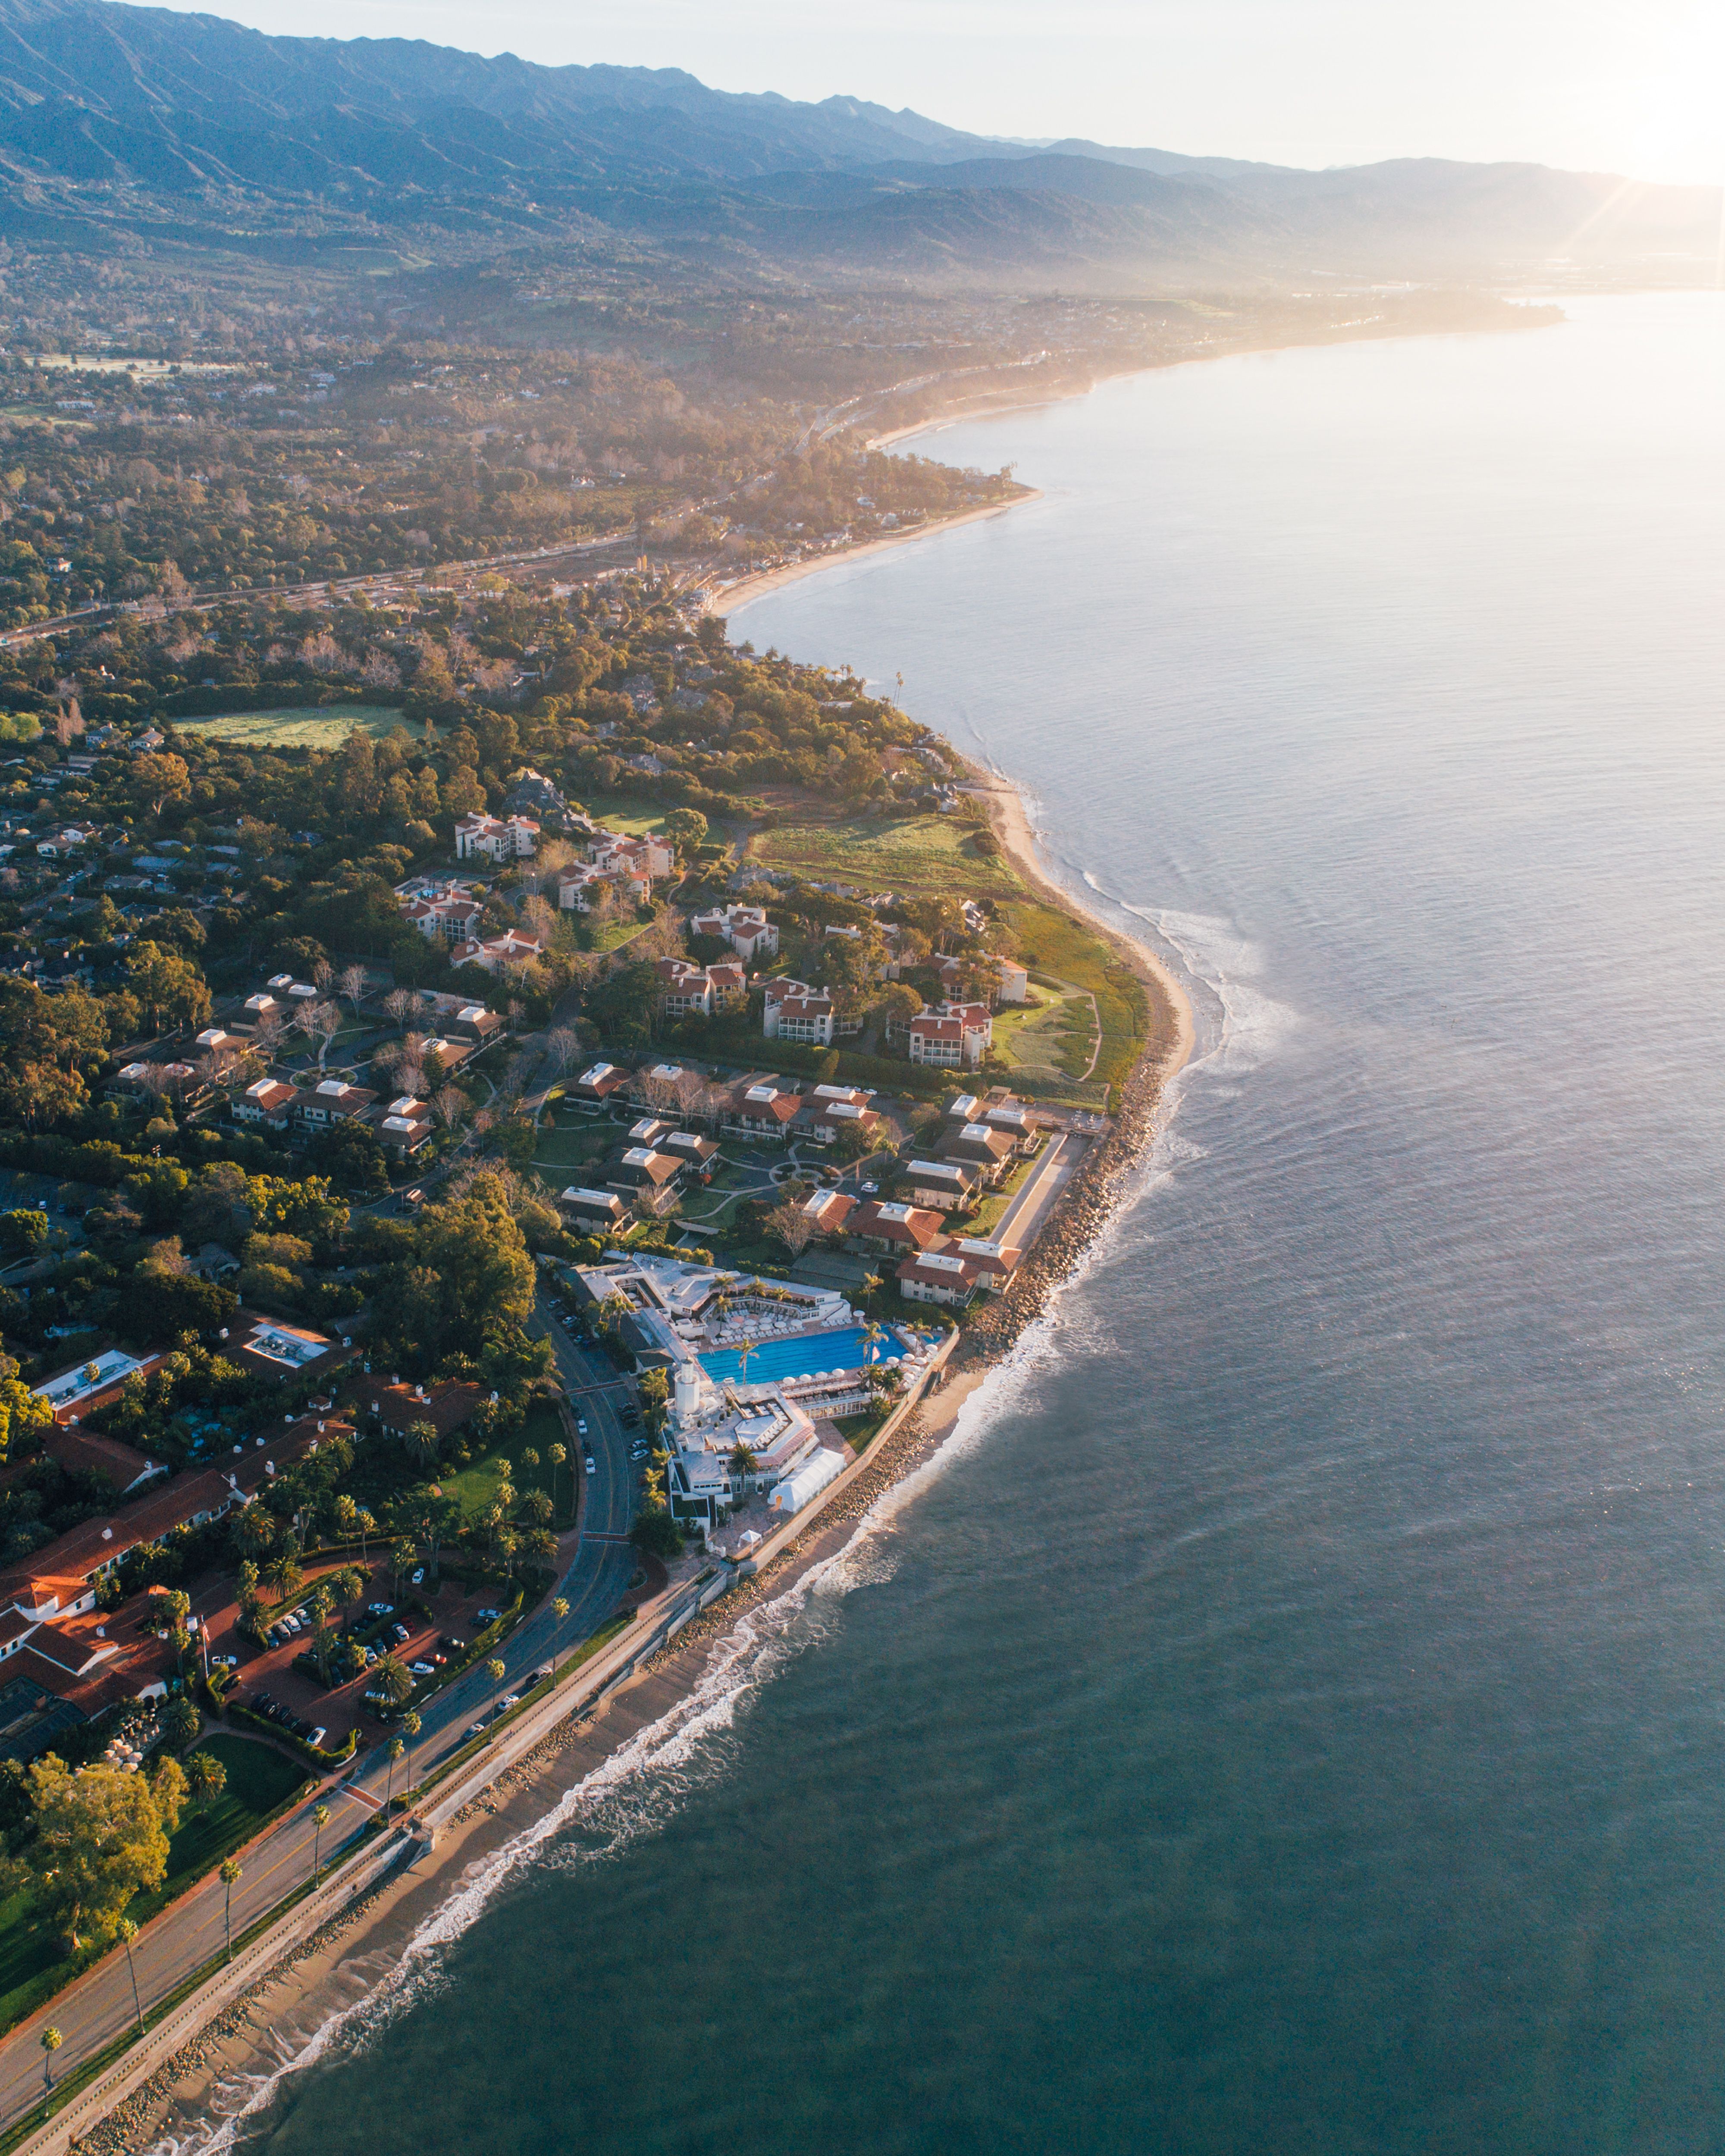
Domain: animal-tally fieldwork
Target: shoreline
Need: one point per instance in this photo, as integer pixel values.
(267, 2031)
(759, 582)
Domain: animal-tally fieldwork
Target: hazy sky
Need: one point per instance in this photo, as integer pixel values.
(1627, 86)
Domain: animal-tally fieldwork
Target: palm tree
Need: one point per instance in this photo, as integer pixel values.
(559, 1609)
(230, 1873)
(743, 1461)
(422, 1442)
(367, 1526)
(51, 2040)
(392, 1679)
(411, 1725)
(745, 1348)
(321, 1606)
(557, 1455)
(283, 1574)
(320, 1821)
(874, 1334)
(128, 1932)
(396, 1748)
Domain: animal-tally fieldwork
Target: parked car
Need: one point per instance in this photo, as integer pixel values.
(452, 1644)
(591, 1469)
(438, 1661)
(418, 1578)
(225, 1661)
(380, 1609)
(581, 1425)
(510, 1699)
(475, 1729)
(542, 1673)
(422, 1669)
(319, 1737)
(487, 1616)
(400, 1634)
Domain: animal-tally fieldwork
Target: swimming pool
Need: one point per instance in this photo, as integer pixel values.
(845, 1350)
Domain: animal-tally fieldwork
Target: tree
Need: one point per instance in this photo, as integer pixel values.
(51, 2040)
(170, 989)
(422, 1442)
(159, 778)
(743, 1461)
(230, 1876)
(410, 1727)
(320, 1821)
(353, 985)
(686, 829)
(283, 1574)
(789, 1224)
(392, 1680)
(102, 1837)
(396, 1748)
(322, 1607)
(22, 1234)
(559, 1610)
(127, 1930)
(180, 1723)
(656, 1534)
(557, 1455)
(494, 1670)
(24, 1414)
(403, 1551)
(206, 1778)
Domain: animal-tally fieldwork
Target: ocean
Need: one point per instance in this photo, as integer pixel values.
(1289, 1716)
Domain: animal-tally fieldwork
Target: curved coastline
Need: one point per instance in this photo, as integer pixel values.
(287, 2019)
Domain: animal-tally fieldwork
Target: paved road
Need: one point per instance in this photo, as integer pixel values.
(99, 2007)
(1022, 1221)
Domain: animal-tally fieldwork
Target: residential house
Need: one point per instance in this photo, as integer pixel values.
(268, 1102)
(941, 1185)
(496, 837)
(646, 1179)
(956, 1036)
(764, 1110)
(218, 1044)
(831, 1110)
(792, 1010)
(976, 1146)
(650, 855)
(96, 1383)
(828, 1210)
(698, 1153)
(332, 1100)
(391, 1408)
(514, 947)
(596, 1084)
(745, 928)
(264, 1005)
(938, 1276)
(594, 1211)
(995, 1263)
(687, 989)
(895, 1230)
(450, 914)
(405, 1126)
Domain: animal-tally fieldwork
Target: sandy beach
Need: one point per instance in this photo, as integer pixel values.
(769, 580)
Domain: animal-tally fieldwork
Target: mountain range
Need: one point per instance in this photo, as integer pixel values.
(117, 121)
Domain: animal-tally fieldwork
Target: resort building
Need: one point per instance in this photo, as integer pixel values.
(269, 1102)
(894, 1229)
(450, 914)
(941, 1185)
(596, 1084)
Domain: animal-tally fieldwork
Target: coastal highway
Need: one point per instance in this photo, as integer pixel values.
(99, 2007)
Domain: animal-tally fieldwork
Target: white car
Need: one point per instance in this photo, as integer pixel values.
(592, 1466)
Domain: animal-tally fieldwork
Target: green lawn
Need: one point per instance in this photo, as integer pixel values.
(926, 853)
(301, 726)
(476, 1484)
(565, 1147)
(1050, 941)
(258, 1780)
(625, 813)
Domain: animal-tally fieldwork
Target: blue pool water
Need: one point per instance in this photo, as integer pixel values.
(845, 1350)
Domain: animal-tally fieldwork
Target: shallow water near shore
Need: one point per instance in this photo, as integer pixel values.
(1291, 1717)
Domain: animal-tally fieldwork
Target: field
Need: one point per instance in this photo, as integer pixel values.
(618, 812)
(302, 727)
(929, 855)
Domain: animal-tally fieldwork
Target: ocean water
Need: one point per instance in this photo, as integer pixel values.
(1291, 1716)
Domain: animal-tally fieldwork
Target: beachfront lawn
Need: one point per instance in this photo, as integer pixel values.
(33, 1965)
(930, 855)
(1051, 942)
(309, 726)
